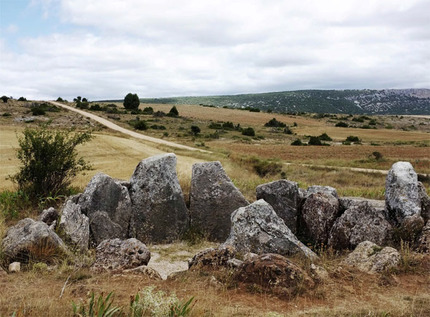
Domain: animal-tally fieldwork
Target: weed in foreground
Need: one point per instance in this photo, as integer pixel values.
(102, 307)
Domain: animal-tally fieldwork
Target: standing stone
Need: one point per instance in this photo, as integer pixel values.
(213, 197)
(424, 240)
(284, 197)
(319, 213)
(75, 225)
(119, 255)
(401, 192)
(104, 194)
(360, 223)
(102, 228)
(32, 240)
(257, 228)
(159, 213)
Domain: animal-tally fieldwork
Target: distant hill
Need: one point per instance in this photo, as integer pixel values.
(388, 101)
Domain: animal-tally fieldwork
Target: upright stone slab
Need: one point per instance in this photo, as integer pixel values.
(213, 197)
(75, 225)
(105, 195)
(258, 229)
(159, 213)
(402, 197)
(284, 197)
(319, 213)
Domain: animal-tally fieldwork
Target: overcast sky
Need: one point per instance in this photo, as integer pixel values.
(103, 49)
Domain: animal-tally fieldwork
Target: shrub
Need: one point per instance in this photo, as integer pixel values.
(275, 123)
(159, 114)
(195, 130)
(22, 99)
(314, 140)
(148, 110)
(49, 160)
(4, 98)
(6, 114)
(59, 99)
(131, 101)
(228, 125)
(101, 307)
(352, 139)
(158, 127)
(140, 125)
(287, 130)
(341, 124)
(96, 107)
(215, 125)
(248, 131)
(325, 137)
(297, 142)
(263, 167)
(173, 112)
(377, 155)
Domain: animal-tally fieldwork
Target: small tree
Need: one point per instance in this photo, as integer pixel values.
(22, 99)
(49, 160)
(248, 132)
(173, 112)
(131, 101)
(4, 98)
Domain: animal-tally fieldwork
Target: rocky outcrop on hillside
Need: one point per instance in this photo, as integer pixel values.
(213, 197)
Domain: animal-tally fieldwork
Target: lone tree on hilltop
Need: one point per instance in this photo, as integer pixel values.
(131, 101)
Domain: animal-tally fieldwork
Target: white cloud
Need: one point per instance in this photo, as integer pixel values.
(165, 48)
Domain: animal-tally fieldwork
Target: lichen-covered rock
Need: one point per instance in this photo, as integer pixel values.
(109, 196)
(213, 197)
(425, 202)
(284, 197)
(257, 228)
(75, 225)
(357, 224)
(328, 190)
(401, 192)
(371, 258)
(411, 228)
(275, 274)
(424, 240)
(159, 213)
(146, 271)
(49, 216)
(319, 213)
(32, 240)
(116, 255)
(212, 258)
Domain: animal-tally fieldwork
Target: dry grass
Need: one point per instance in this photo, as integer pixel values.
(347, 293)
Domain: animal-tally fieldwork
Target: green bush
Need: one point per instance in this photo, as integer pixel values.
(173, 112)
(96, 107)
(341, 124)
(352, 139)
(158, 127)
(195, 130)
(148, 110)
(22, 99)
(215, 125)
(275, 123)
(37, 111)
(140, 125)
(4, 98)
(248, 131)
(49, 161)
(131, 101)
(287, 130)
(314, 140)
(297, 142)
(325, 137)
(59, 99)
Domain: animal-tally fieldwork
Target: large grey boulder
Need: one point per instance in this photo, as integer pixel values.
(159, 213)
(371, 258)
(32, 240)
(357, 224)
(319, 213)
(401, 192)
(75, 225)
(104, 194)
(213, 197)
(118, 255)
(258, 229)
(284, 197)
(212, 259)
(102, 228)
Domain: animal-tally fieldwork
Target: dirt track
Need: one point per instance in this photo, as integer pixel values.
(116, 127)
